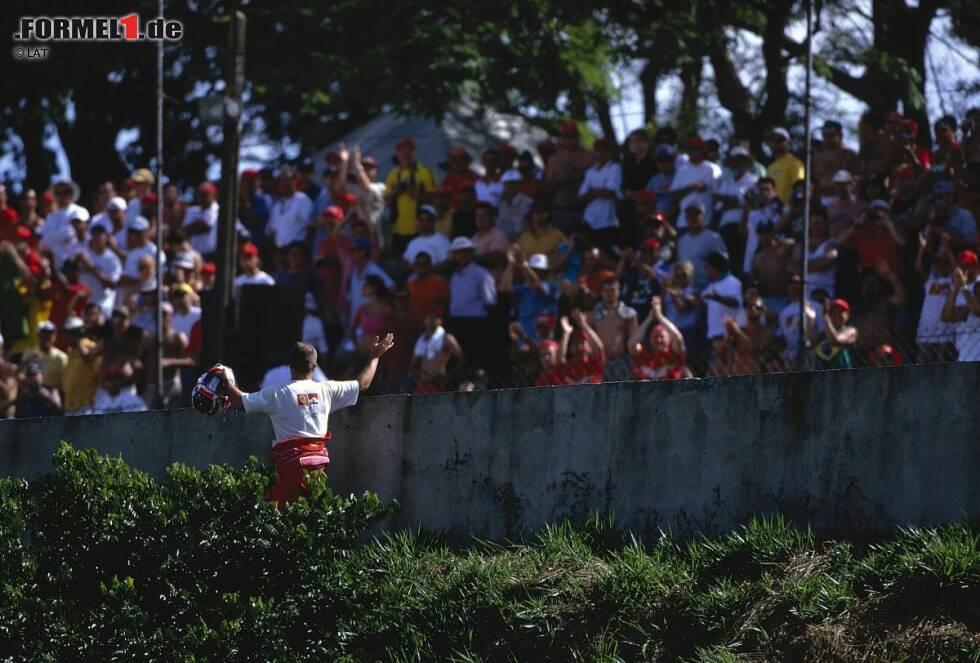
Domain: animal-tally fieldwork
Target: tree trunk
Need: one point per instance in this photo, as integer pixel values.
(601, 107)
(687, 112)
(40, 162)
(649, 78)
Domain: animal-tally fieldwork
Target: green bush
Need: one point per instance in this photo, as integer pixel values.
(98, 562)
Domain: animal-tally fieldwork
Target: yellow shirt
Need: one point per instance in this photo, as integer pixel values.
(546, 243)
(81, 378)
(785, 171)
(52, 365)
(421, 181)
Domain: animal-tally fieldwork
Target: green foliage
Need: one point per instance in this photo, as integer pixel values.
(100, 562)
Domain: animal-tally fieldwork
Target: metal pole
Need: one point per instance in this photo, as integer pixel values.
(229, 185)
(159, 238)
(803, 347)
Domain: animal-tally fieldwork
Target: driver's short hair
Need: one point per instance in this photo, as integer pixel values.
(302, 358)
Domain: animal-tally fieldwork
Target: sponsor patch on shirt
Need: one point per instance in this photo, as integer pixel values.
(307, 399)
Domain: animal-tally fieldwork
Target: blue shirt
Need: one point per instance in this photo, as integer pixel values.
(659, 184)
(962, 224)
(472, 290)
(530, 303)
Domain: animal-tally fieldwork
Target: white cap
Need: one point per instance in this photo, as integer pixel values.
(46, 325)
(738, 151)
(183, 262)
(76, 212)
(74, 322)
(843, 177)
(511, 176)
(780, 131)
(538, 261)
(117, 203)
(462, 244)
(138, 223)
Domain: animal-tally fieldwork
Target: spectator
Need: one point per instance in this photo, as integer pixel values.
(101, 270)
(8, 384)
(488, 239)
(361, 268)
(369, 193)
(138, 245)
(29, 216)
(722, 296)
(304, 178)
(694, 182)
(599, 191)
(531, 175)
(844, 208)
(313, 332)
(551, 371)
(143, 181)
(434, 349)
(822, 257)
(428, 240)
(961, 307)
(665, 357)
(464, 218)
(441, 201)
(9, 217)
(586, 363)
(298, 275)
(428, 292)
(837, 348)
(51, 360)
(81, 370)
(882, 295)
(201, 221)
(35, 398)
(832, 158)
(113, 219)
(472, 293)
(175, 358)
(935, 339)
(56, 230)
(372, 319)
(251, 267)
(488, 186)
(788, 337)
(540, 237)
(638, 163)
(458, 173)
(660, 182)
(593, 273)
(174, 208)
(770, 267)
(514, 206)
(564, 172)
(763, 207)
(536, 295)
(957, 221)
(407, 186)
(279, 376)
(292, 210)
(698, 243)
(254, 204)
(681, 304)
(615, 323)
(875, 238)
(785, 169)
(186, 313)
(948, 152)
(730, 197)
(114, 396)
(747, 348)
(640, 274)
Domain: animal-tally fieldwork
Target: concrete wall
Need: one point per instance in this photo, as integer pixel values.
(863, 449)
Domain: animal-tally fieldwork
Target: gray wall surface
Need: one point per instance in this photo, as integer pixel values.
(843, 450)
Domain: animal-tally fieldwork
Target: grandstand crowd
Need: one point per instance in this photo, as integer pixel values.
(663, 258)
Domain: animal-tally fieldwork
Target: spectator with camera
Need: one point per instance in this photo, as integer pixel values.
(408, 185)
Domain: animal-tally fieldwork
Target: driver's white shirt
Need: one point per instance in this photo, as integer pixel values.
(300, 409)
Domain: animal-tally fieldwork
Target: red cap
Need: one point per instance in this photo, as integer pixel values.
(910, 126)
(568, 128)
(208, 187)
(652, 244)
(209, 268)
(23, 232)
(334, 212)
(550, 344)
(369, 161)
(47, 197)
(248, 249)
(346, 198)
(696, 143)
(458, 152)
(895, 116)
(150, 199)
(841, 304)
(546, 319)
(250, 174)
(407, 142)
(968, 258)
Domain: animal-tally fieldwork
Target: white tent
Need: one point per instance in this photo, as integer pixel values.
(475, 129)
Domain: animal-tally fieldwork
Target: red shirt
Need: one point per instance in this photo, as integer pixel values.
(61, 298)
(660, 365)
(453, 182)
(8, 221)
(552, 378)
(585, 371)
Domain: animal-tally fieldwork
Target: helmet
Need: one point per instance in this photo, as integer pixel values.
(208, 395)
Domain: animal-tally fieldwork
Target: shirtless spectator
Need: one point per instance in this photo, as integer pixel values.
(844, 208)
(8, 384)
(434, 350)
(128, 344)
(586, 363)
(563, 176)
(615, 323)
(832, 158)
(550, 373)
(882, 295)
(666, 355)
(770, 266)
(746, 349)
